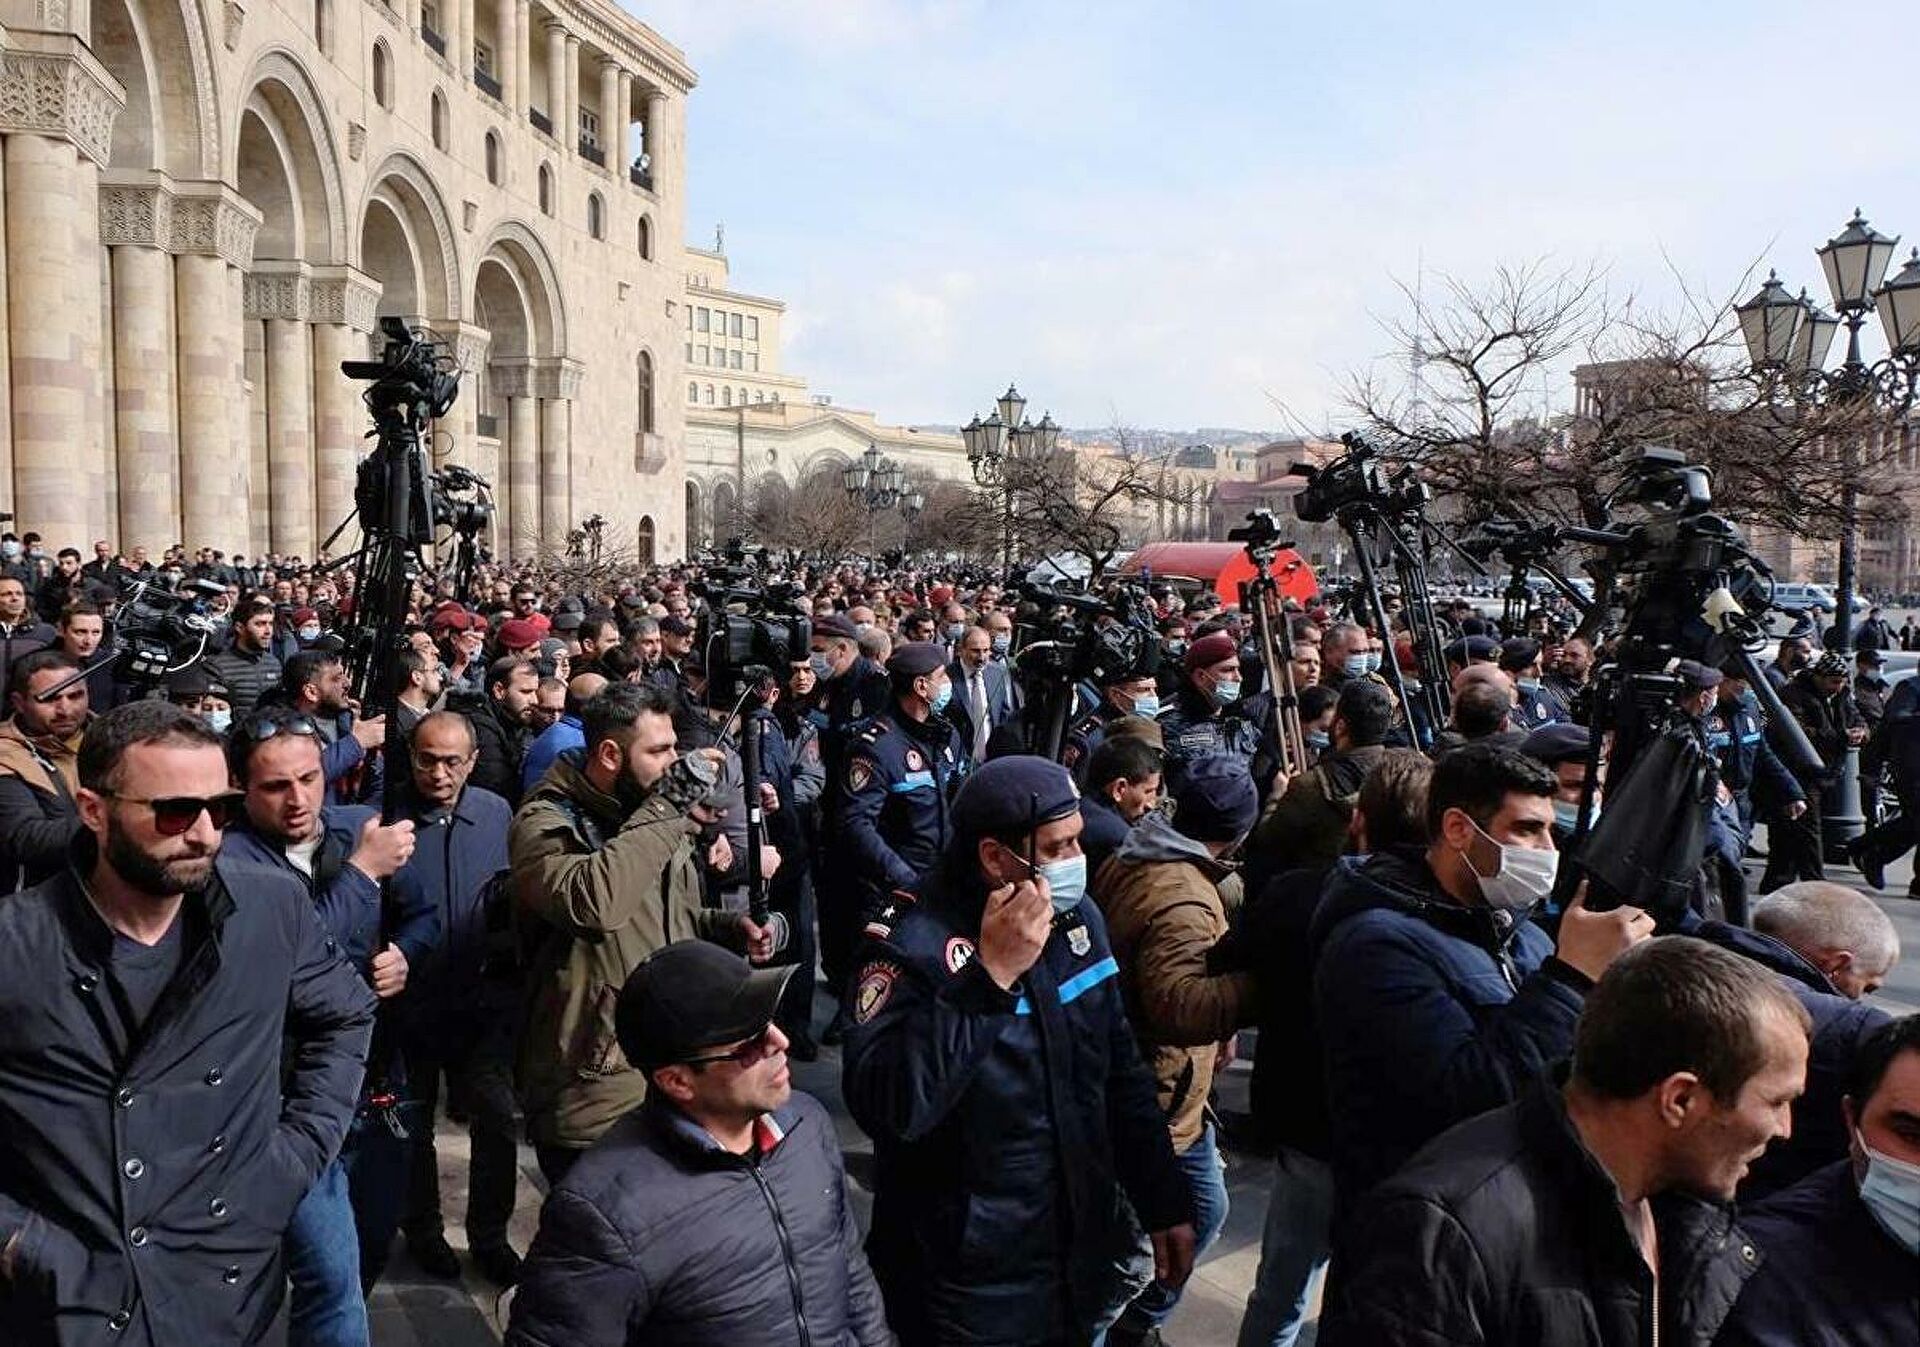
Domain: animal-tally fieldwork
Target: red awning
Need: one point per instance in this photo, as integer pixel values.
(1221, 567)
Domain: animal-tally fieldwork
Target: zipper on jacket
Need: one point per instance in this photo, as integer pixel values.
(786, 1252)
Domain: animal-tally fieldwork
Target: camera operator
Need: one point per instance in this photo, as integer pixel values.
(1818, 698)
(1569, 674)
(81, 630)
(1203, 722)
(603, 858)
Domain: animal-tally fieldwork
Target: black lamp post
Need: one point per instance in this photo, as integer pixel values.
(996, 448)
(881, 484)
(1787, 341)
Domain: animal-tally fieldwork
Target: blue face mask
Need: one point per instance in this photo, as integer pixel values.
(218, 721)
(1227, 693)
(1319, 739)
(955, 632)
(942, 697)
(821, 666)
(1891, 1191)
(1147, 704)
(1565, 815)
(1529, 684)
(1067, 881)
(1374, 661)
(1358, 665)
(1000, 645)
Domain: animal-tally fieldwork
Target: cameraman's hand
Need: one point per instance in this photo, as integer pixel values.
(371, 733)
(382, 849)
(720, 855)
(769, 798)
(769, 860)
(1591, 941)
(761, 944)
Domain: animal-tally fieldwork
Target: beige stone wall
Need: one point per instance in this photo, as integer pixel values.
(208, 205)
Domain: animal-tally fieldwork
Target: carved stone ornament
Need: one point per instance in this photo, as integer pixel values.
(236, 16)
(64, 93)
(343, 295)
(356, 141)
(156, 212)
(279, 294)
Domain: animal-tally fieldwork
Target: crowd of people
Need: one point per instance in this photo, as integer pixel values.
(251, 952)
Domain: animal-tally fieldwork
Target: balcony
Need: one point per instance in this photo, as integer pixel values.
(640, 177)
(592, 152)
(486, 83)
(540, 120)
(487, 425)
(433, 40)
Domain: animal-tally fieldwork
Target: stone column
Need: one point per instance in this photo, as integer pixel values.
(521, 527)
(341, 302)
(468, 36)
(506, 53)
(570, 137)
(289, 438)
(622, 146)
(613, 127)
(450, 15)
(523, 54)
(414, 13)
(149, 464)
(213, 493)
(557, 79)
(6, 358)
(556, 467)
(253, 434)
(656, 141)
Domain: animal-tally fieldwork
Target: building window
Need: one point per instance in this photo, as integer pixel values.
(689, 319)
(382, 76)
(646, 239)
(733, 360)
(709, 395)
(701, 319)
(693, 392)
(753, 329)
(753, 362)
(590, 128)
(437, 115)
(430, 16)
(493, 158)
(758, 396)
(743, 397)
(735, 320)
(720, 322)
(644, 543)
(546, 190)
(703, 356)
(726, 397)
(482, 57)
(645, 382)
(596, 216)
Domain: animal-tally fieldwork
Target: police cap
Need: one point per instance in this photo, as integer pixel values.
(916, 659)
(1010, 796)
(1555, 744)
(837, 626)
(1472, 649)
(1696, 676)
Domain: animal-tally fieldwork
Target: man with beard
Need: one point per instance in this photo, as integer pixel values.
(38, 758)
(338, 1237)
(146, 990)
(314, 684)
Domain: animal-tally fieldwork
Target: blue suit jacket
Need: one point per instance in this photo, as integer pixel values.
(1000, 707)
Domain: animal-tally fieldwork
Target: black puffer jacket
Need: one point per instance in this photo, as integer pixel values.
(1507, 1232)
(659, 1236)
(248, 675)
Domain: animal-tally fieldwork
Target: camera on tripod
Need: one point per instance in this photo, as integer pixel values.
(1356, 480)
(412, 383)
(749, 630)
(1085, 638)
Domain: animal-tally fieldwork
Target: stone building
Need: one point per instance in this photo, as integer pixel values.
(207, 207)
(750, 426)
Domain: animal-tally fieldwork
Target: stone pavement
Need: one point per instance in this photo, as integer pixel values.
(410, 1309)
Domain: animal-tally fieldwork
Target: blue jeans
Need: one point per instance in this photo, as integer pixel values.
(1207, 1184)
(1293, 1250)
(322, 1247)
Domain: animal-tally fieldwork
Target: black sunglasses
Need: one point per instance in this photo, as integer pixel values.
(264, 728)
(174, 814)
(749, 1052)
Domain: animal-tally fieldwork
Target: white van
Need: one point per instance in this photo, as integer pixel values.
(1805, 596)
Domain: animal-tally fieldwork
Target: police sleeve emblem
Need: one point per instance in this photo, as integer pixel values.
(859, 773)
(873, 991)
(959, 950)
(914, 761)
(1079, 941)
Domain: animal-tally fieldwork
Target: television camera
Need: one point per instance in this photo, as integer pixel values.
(157, 630)
(1069, 638)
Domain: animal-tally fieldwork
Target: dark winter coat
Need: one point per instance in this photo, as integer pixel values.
(456, 855)
(149, 1195)
(1431, 1011)
(38, 818)
(659, 1236)
(1306, 828)
(502, 746)
(248, 676)
(1507, 1232)
(1829, 1275)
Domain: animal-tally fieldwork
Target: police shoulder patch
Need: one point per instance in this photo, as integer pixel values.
(959, 950)
(914, 761)
(873, 990)
(859, 774)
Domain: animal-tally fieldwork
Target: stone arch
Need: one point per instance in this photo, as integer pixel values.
(644, 541)
(403, 187)
(524, 260)
(158, 51)
(822, 463)
(696, 520)
(726, 510)
(283, 109)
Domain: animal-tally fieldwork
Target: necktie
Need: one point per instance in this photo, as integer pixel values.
(980, 727)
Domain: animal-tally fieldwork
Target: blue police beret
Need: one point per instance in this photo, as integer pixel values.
(837, 625)
(1468, 649)
(1216, 800)
(916, 659)
(1517, 652)
(1009, 796)
(1555, 744)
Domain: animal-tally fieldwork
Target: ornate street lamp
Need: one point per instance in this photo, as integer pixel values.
(1787, 343)
(996, 449)
(879, 483)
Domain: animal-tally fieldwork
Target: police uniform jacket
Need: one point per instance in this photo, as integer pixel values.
(1005, 1125)
(1194, 729)
(899, 780)
(1737, 737)
(148, 1183)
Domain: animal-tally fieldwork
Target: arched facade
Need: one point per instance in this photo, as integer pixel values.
(208, 207)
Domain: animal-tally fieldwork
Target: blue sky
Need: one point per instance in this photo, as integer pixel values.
(1191, 214)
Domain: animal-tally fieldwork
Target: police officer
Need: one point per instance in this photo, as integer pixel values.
(1726, 842)
(1129, 692)
(1520, 662)
(851, 688)
(1203, 722)
(1737, 736)
(991, 1062)
(902, 768)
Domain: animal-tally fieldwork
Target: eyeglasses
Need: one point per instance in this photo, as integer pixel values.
(174, 814)
(749, 1052)
(267, 727)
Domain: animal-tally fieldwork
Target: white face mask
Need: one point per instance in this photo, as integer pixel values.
(1524, 879)
(1891, 1191)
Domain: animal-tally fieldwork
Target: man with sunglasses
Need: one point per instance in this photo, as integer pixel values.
(717, 1212)
(153, 1150)
(340, 853)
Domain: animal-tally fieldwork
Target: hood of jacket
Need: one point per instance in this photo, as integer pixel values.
(29, 757)
(567, 780)
(1153, 840)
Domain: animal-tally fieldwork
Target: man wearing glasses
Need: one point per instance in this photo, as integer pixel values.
(340, 854)
(149, 1154)
(717, 1211)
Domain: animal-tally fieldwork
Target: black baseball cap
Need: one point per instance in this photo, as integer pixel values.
(693, 995)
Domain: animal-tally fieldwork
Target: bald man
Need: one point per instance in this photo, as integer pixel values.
(565, 733)
(1838, 930)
